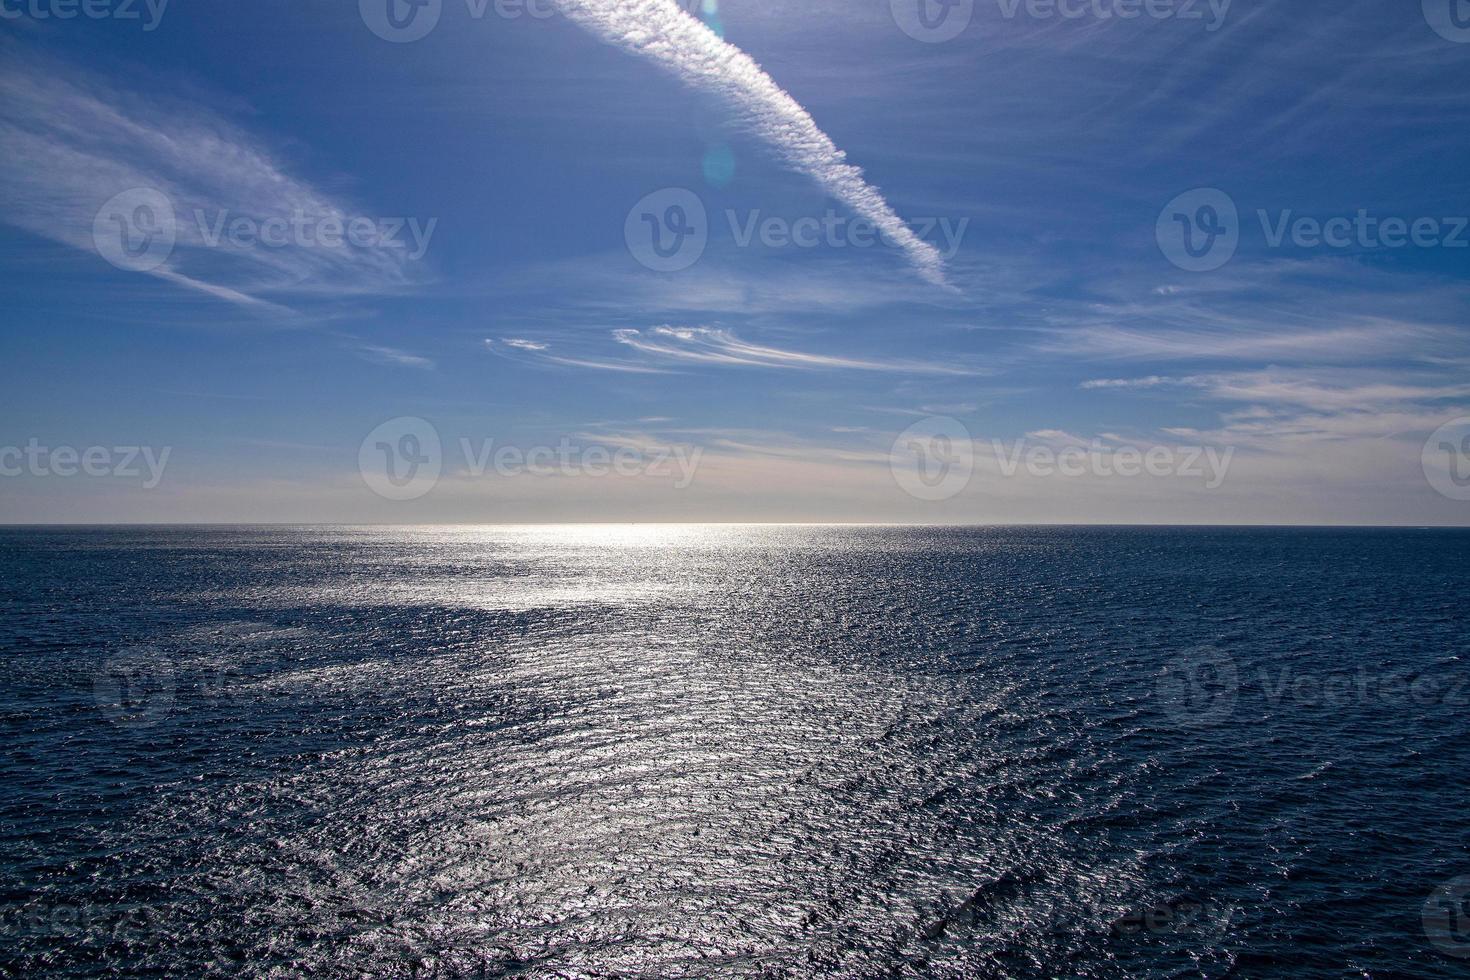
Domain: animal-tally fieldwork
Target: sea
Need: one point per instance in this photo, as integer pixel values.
(692, 751)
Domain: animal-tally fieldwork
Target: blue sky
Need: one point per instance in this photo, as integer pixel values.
(1026, 175)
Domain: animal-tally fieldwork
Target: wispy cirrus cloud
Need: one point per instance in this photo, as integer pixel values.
(1296, 425)
(1310, 389)
(707, 345)
(396, 357)
(1328, 311)
(689, 347)
(541, 353)
(662, 32)
(1260, 340)
(74, 139)
(521, 343)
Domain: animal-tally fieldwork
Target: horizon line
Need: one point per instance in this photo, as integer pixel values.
(897, 524)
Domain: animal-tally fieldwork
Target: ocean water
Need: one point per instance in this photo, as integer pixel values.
(715, 751)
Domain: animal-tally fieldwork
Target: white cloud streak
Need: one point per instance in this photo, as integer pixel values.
(1311, 389)
(661, 32)
(707, 345)
(396, 357)
(710, 347)
(540, 353)
(72, 140)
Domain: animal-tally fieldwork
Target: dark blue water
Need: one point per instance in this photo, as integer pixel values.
(735, 751)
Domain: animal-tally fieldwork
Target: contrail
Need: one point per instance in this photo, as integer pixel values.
(662, 32)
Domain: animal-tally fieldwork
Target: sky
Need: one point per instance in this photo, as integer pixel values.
(928, 261)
